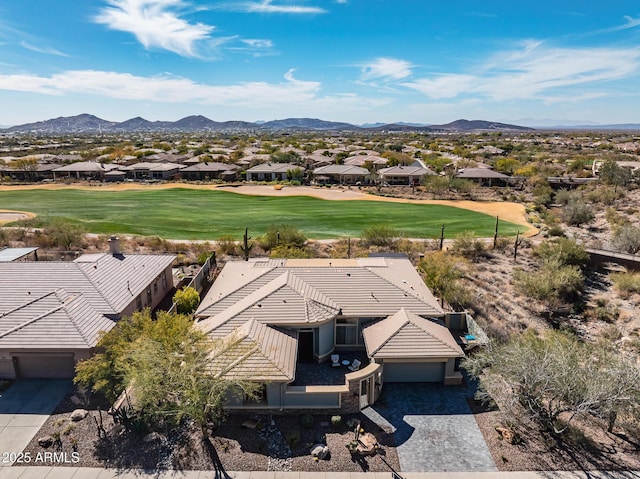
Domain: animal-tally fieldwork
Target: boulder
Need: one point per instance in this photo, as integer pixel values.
(78, 415)
(320, 451)
(45, 441)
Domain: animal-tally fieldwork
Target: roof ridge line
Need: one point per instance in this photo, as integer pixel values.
(267, 271)
(31, 321)
(72, 319)
(98, 288)
(28, 303)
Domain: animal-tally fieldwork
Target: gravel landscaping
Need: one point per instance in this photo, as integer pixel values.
(279, 443)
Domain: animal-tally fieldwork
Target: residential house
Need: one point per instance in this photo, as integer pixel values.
(152, 170)
(484, 176)
(376, 162)
(271, 171)
(83, 170)
(341, 174)
(404, 175)
(210, 170)
(51, 313)
(327, 333)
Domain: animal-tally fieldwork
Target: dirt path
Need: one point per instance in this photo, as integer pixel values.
(513, 212)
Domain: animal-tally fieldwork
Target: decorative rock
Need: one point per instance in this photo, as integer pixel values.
(78, 415)
(45, 441)
(152, 437)
(320, 451)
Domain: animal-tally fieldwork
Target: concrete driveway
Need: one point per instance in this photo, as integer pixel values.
(433, 428)
(24, 408)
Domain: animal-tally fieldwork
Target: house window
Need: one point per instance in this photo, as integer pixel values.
(149, 295)
(164, 281)
(346, 331)
(155, 287)
(139, 302)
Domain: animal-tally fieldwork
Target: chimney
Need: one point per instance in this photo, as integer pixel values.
(114, 245)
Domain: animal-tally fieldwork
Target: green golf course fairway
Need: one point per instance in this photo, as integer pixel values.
(180, 213)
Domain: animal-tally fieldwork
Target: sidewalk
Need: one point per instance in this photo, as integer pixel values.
(47, 472)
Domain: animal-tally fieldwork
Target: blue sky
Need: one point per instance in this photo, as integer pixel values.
(343, 60)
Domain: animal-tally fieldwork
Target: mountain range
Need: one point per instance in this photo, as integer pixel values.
(86, 123)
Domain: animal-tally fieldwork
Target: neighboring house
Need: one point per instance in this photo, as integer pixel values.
(342, 174)
(293, 317)
(210, 170)
(404, 175)
(484, 176)
(83, 170)
(18, 254)
(43, 171)
(376, 162)
(271, 171)
(152, 170)
(51, 313)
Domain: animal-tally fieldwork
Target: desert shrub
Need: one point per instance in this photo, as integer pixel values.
(563, 250)
(227, 245)
(306, 421)
(614, 218)
(627, 239)
(556, 230)
(563, 197)
(380, 235)
(290, 251)
(468, 246)
(282, 234)
(604, 195)
(552, 283)
(63, 234)
(292, 437)
(442, 273)
(187, 300)
(626, 283)
(577, 213)
(336, 421)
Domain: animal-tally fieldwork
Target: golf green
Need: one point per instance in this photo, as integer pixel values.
(180, 213)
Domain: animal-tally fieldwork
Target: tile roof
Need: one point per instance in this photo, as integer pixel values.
(401, 170)
(340, 170)
(313, 291)
(107, 282)
(406, 334)
(54, 320)
(258, 352)
(273, 168)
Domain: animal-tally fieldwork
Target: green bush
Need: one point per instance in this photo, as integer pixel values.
(336, 421)
(626, 283)
(227, 245)
(187, 300)
(306, 421)
(563, 250)
(627, 239)
(292, 437)
(283, 234)
(290, 251)
(468, 246)
(577, 213)
(552, 283)
(380, 235)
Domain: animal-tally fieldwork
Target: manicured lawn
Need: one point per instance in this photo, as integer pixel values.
(203, 214)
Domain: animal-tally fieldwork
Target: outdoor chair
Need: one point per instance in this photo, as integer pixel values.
(355, 365)
(335, 360)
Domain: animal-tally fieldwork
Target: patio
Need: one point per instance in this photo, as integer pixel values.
(323, 374)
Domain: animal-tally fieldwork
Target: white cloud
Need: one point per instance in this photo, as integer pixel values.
(155, 23)
(258, 43)
(533, 72)
(385, 69)
(163, 89)
(267, 6)
(630, 22)
(45, 50)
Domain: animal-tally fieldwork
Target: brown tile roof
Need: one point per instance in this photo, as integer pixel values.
(407, 335)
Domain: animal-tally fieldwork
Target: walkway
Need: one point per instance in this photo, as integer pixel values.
(24, 408)
(433, 428)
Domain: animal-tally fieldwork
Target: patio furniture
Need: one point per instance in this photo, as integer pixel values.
(346, 362)
(335, 360)
(355, 365)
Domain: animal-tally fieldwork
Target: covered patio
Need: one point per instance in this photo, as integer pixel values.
(324, 374)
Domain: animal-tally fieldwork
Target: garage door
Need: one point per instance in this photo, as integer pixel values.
(40, 367)
(413, 372)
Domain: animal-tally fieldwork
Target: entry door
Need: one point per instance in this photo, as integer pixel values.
(366, 394)
(305, 346)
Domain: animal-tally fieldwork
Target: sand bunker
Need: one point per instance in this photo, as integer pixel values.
(7, 216)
